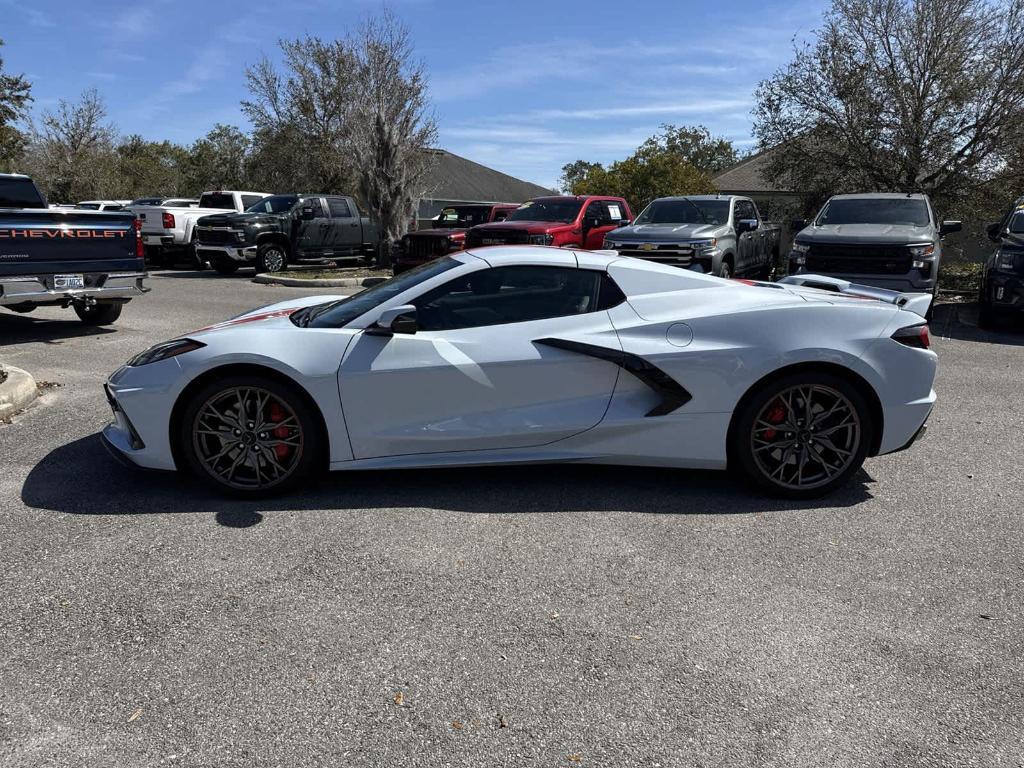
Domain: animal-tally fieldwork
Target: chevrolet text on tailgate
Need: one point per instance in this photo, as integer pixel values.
(87, 260)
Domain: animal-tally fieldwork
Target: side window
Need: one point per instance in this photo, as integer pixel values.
(511, 295)
(501, 215)
(250, 200)
(317, 206)
(744, 210)
(598, 210)
(339, 208)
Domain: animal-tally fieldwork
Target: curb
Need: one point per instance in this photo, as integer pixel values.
(16, 392)
(338, 282)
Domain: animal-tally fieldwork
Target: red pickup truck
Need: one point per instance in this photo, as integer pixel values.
(566, 222)
(447, 234)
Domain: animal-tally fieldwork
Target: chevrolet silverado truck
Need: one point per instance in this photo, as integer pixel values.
(285, 229)
(888, 240)
(169, 231)
(90, 261)
(722, 235)
(579, 221)
(447, 234)
(1001, 294)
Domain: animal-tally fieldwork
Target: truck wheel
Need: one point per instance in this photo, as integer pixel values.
(98, 314)
(725, 269)
(224, 266)
(271, 257)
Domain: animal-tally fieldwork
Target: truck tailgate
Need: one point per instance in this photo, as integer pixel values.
(51, 241)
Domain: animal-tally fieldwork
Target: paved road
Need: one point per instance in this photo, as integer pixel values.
(521, 617)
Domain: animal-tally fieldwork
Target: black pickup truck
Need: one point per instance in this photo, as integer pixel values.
(285, 229)
(90, 261)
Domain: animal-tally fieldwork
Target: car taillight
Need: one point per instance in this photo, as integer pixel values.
(914, 336)
(168, 220)
(140, 246)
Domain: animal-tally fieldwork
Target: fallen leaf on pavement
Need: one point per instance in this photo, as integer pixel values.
(399, 698)
(456, 725)
(135, 715)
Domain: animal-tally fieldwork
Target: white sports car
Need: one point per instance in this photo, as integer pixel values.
(511, 355)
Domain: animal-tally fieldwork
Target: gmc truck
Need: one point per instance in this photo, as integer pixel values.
(90, 261)
(580, 221)
(447, 234)
(888, 240)
(722, 235)
(169, 231)
(285, 229)
(1001, 295)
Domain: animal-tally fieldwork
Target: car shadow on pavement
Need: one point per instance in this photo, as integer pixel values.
(960, 322)
(82, 478)
(25, 329)
(205, 274)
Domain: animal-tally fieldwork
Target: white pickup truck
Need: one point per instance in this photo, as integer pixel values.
(169, 232)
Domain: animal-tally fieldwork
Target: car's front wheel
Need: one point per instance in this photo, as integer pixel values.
(249, 436)
(271, 257)
(802, 435)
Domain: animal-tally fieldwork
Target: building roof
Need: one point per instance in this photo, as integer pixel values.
(748, 177)
(455, 178)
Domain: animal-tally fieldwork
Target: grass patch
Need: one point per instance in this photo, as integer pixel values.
(962, 276)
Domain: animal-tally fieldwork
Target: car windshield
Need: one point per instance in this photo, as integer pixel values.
(1017, 223)
(875, 210)
(462, 217)
(548, 209)
(685, 212)
(19, 193)
(274, 204)
(88, 206)
(337, 314)
(222, 200)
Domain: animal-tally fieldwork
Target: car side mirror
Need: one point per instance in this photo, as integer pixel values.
(395, 320)
(992, 230)
(306, 214)
(797, 224)
(746, 225)
(948, 227)
(625, 222)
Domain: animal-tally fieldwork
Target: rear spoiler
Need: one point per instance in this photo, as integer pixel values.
(918, 303)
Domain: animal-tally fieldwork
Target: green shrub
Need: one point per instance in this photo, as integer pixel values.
(962, 276)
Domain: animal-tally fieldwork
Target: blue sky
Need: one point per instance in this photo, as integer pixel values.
(522, 86)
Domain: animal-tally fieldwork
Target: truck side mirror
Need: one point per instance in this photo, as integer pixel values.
(992, 230)
(746, 225)
(395, 320)
(948, 227)
(306, 214)
(797, 224)
(625, 222)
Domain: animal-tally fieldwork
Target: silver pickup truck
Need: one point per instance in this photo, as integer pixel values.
(888, 240)
(722, 235)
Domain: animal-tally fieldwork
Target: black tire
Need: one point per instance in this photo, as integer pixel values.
(777, 402)
(165, 258)
(248, 470)
(224, 266)
(98, 314)
(725, 269)
(271, 257)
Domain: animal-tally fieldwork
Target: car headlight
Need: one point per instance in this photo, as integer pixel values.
(541, 239)
(608, 245)
(922, 250)
(165, 350)
(798, 253)
(1006, 260)
(704, 245)
(800, 248)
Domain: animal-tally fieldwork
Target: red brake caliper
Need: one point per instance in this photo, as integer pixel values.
(277, 414)
(776, 415)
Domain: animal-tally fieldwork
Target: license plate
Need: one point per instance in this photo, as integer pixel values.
(68, 281)
(492, 241)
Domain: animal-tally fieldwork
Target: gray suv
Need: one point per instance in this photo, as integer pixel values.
(888, 240)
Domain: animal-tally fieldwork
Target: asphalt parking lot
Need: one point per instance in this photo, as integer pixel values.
(505, 617)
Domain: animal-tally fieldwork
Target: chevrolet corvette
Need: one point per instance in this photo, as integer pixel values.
(520, 354)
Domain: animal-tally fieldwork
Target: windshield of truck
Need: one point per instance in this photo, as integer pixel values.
(223, 200)
(1017, 223)
(19, 193)
(548, 209)
(685, 212)
(274, 204)
(462, 217)
(337, 314)
(875, 210)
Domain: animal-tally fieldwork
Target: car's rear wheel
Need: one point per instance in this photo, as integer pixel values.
(801, 436)
(249, 436)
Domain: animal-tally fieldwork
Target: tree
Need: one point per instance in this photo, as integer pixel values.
(72, 155)
(574, 173)
(642, 178)
(900, 95)
(219, 160)
(15, 96)
(390, 127)
(148, 167)
(693, 144)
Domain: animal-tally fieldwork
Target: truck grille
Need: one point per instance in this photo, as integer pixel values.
(205, 236)
(863, 259)
(426, 247)
(497, 237)
(664, 253)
